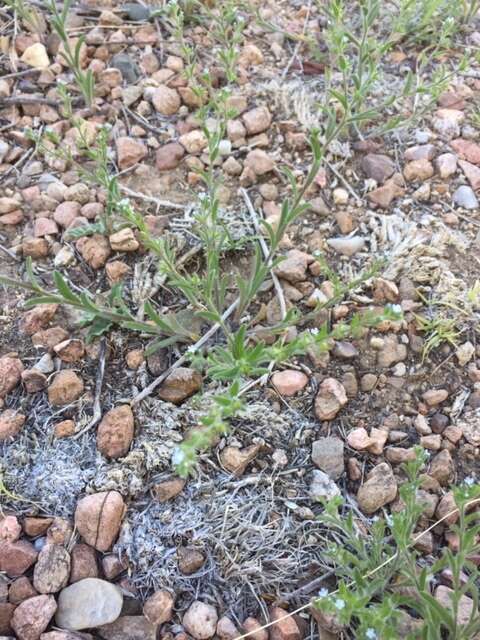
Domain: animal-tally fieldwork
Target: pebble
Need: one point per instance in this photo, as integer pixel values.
(11, 369)
(180, 385)
(166, 100)
(347, 246)
(289, 382)
(32, 617)
(158, 608)
(446, 165)
(169, 156)
(124, 63)
(226, 630)
(65, 388)
(95, 250)
(444, 595)
(285, 628)
(465, 353)
(98, 518)
(259, 162)
(52, 569)
(115, 432)
(123, 240)
(236, 460)
(200, 620)
(129, 151)
(433, 397)
(442, 467)
(129, 628)
(83, 563)
(293, 267)
(472, 173)
(418, 170)
(378, 167)
(465, 197)
(327, 455)
(194, 141)
(257, 120)
(379, 489)
(88, 603)
(11, 422)
(17, 557)
(466, 150)
(331, 397)
(168, 489)
(358, 439)
(36, 56)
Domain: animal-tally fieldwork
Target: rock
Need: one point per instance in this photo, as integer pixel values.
(44, 227)
(16, 557)
(446, 165)
(466, 150)
(35, 527)
(10, 531)
(35, 248)
(65, 429)
(289, 382)
(465, 197)
(420, 152)
(127, 67)
(435, 396)
(391, 352)
(65, 388)
(131, 94)
(345, 350)
(95, 250)
(399, 455)
(379, 489)
(113, 566)
(123, 240)
(432, 442)
(32, 617)
(378, 167)
(293, 267)
(259, 162)
(52, 569)
(322, 486)
(257, 120)
(447, 509)
(250, 55)
(236, 460)
(347, 246)
(115, 432)
(180, 385)
(129, 628)
(158, 608)
(444, 596)
(327, 455)
(331, 397)
(169, 156)
(70, 351)
(285, 627)
(358, 439)
(383, 196)
(442, 467)
(129, 152)
(253, 627)
(200, 620)
(472, 173)
(116, 271)
(10, 374)
(33, 381)
(194, 141)
(11, 423)
(21, 589)
(98, 518)
(168, 489)
(87, 604)
(7, 205)
(418, 170)
(6, 615)
(65, 635)
(190, 560)
(447, 122)
(83, 563)
(37, 318)
(165, 100)
(36, 56)
(66, 212)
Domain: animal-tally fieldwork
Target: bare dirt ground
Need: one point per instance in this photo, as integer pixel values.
(239, 538)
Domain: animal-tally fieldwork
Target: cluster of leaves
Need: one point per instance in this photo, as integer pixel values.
(380, 573)
(71, 53)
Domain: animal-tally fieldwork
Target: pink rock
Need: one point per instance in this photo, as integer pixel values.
(10, 374)
(257, 120)
(66, 212)
(32, 617)
(289, 382)
(472, 173)
(331, 397)
(98, 518)
(166, 100)
(446, 165)
(169, 156)
(44, 227)
(358, 439)
(466, 150)
(129, 151)
(10, 529)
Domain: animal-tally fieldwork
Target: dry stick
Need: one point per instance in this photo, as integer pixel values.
(157, 201)
(19, 74)
(97, 407)
(195, 347)
(343, 181)
(369, 574)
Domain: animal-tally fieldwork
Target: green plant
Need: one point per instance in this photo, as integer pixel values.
(84, 79)
(30, 16)
(377, 568)
(437, 331)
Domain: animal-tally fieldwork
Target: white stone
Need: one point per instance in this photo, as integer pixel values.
(88, 603)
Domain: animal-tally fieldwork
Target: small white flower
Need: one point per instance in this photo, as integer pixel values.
(314, 331)
(323, 593)
(396, 308)
(340, 604)
(178, 457)
(371, 634)
(469, 481)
